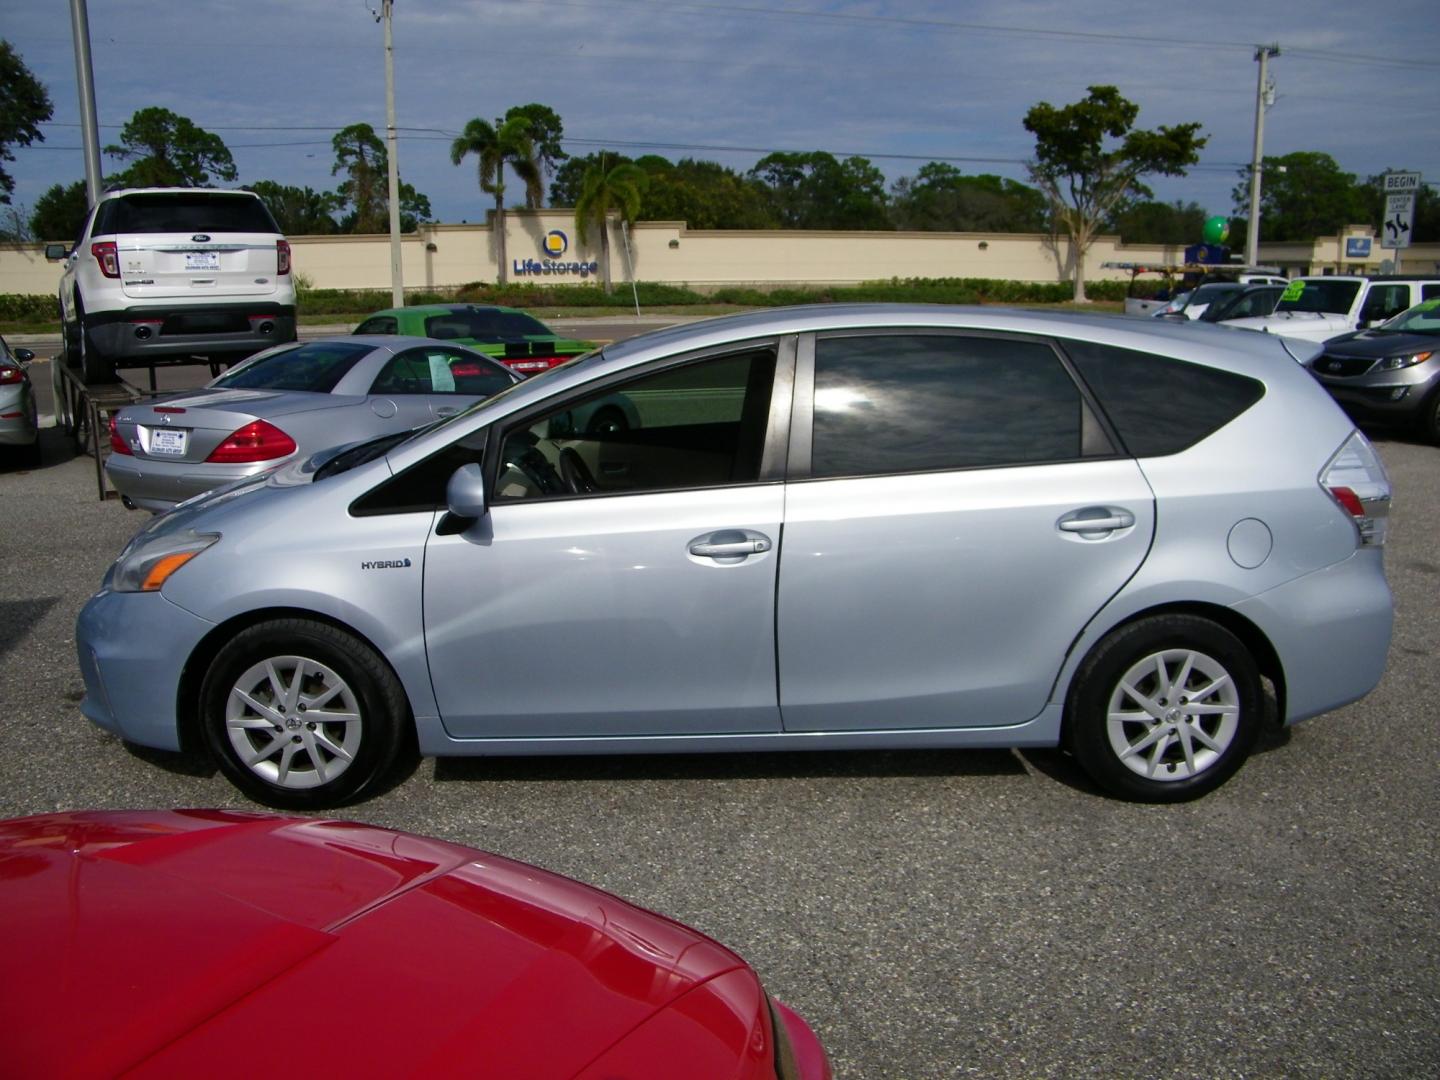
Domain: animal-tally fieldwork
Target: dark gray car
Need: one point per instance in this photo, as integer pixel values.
(1389, 373)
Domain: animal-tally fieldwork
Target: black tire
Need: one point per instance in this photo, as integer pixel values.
(340, 675)
(1109, 729)
(94, 367)
(1429, 422)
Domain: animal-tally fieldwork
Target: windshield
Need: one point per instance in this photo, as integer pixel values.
(1330, 297)
(1423, 318)
(315, 366)
(485, 324)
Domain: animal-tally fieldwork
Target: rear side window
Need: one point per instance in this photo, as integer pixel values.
(1160, 405)
(924, 402)
(483, 325)
(316, 366)
(190, 212)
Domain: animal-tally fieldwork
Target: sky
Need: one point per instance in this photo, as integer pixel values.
(900, 83)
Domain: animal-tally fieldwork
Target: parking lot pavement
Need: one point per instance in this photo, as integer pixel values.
(933, 914)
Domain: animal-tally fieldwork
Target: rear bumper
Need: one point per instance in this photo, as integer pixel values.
(160, 332)
(159, 485)
(132, 649)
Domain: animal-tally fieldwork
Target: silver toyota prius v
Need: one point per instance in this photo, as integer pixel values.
(826, 527)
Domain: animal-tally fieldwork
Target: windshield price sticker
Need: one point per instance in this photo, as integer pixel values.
(1293, 292)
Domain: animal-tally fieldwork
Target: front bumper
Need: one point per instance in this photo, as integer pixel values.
(132, 649)
(1385, 396)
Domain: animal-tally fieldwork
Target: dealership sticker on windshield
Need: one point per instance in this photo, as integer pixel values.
(1293, 291)
(168, 441)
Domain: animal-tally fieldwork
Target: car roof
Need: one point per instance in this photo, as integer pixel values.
(117, 193)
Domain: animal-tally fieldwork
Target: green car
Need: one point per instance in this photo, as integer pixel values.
(519, 341)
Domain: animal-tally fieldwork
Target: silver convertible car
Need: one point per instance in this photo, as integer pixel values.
(829, 527)
(286, 403)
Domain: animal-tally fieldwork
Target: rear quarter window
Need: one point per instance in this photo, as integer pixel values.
(1158, 404)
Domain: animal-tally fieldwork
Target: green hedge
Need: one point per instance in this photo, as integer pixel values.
(29, 308)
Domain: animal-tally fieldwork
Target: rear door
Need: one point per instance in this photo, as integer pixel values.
(956, 514)
(192, 244)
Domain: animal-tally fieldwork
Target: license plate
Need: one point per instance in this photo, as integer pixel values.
(202, 260)
(168, 441)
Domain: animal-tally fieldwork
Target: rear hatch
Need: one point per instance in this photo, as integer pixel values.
(193, 244)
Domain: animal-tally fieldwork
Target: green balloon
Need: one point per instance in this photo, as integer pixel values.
(1217, 230)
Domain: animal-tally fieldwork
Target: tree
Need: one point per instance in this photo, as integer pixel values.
(546, 132)
(1177, 223)
(815, 191)
(506, 142)
(941, 199)
(166, 150)
(60, 212)
(1303, 195)
(361, 156)
(1089, 161)
(300, 211)
(24, 106)
(605, 191)
(569, 178)
(704, 194)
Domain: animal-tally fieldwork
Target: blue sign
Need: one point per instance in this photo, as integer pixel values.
(556, 243)
(521, 267)
(1357, 247)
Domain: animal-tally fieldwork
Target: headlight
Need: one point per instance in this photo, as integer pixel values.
(1391, 363)
(149, 564)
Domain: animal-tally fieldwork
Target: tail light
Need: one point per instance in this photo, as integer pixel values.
(117, 444)
(1356, 480)
(256, 441)
(10, 374)
(282, 257)
(108, 258)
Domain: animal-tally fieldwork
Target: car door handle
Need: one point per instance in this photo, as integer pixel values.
(449, 410)
(1115, 519)
(729, 544)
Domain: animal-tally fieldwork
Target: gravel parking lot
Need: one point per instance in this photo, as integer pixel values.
(933, 914)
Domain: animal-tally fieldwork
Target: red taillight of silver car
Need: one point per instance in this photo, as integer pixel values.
(117, 444)
(256, 441)
(1356, 480)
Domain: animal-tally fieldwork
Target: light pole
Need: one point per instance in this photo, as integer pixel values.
(397, 275)
(85, 81)
(1263, 91)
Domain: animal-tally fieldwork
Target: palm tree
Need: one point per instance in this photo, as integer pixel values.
(605, 191)
(495, 146)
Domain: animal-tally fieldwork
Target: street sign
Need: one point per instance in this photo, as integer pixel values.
(1398, 221)
(1401, 181)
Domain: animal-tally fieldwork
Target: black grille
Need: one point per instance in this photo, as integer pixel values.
(1344, 366)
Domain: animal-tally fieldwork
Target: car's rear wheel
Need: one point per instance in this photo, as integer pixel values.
(1165, 709)
(302, 715)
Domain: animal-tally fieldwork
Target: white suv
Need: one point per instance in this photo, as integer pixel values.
(1320, 308)
(170, 274)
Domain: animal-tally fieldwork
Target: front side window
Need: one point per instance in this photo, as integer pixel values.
(379, 324)
(1385, 301)
(315, 366)
(923, 402)
(440, 371)
(693, 426)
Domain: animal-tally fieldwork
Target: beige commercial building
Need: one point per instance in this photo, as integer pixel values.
(543, 248)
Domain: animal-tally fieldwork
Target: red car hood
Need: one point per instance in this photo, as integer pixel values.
(212, 943)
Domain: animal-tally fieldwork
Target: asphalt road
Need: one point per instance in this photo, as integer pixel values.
(933, 914)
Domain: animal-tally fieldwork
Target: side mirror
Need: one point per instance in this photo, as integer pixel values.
(55, 252)
(465, 493)
(23, 355)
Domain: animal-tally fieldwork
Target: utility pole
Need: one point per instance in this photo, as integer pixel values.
(1264, 97)
(397, 275)
(85, 81)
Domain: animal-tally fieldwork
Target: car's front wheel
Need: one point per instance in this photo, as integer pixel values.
(1430, 418)
(1165, 709)
(302, 715)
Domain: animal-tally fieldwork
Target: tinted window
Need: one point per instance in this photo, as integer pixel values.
(904, 403)
(1323, 296)
(380, 324)
(1160, 405)
(699, 425)
(184, 212)
(440, 371)
(483, 324)
(422, 486)
(315, 366)
(1384, 302)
